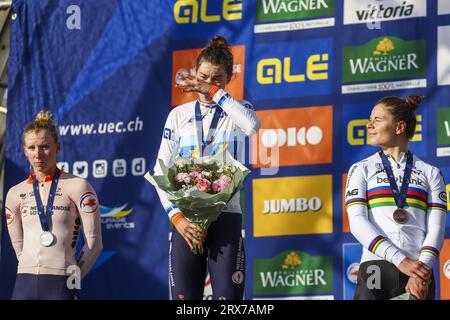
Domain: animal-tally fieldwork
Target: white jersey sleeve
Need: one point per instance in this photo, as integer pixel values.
(242, 114)
(366, 232)
(436, 218)
(166, 154)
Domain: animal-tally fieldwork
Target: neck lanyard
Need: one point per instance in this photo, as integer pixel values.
(202, 143)
(399, 196)
(51, 198)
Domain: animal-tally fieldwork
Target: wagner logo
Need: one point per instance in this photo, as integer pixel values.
(357, 11)
(302, 68)
(292, 205)
(384, 58)
(357, 132)
(296, 14)
(293, 272)
(184, 62)
(296, 136)
(115, 217)
(207, 11)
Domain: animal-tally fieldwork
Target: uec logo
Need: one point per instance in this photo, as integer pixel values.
(272, 70)
(280, 137)
(187, 11)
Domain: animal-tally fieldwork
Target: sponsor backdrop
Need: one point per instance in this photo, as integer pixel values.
(312, 69)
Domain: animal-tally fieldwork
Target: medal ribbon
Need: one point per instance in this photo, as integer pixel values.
(202, 143)
(51, 198)
(399, 196)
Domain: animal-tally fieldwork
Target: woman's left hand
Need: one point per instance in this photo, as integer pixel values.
(418, 288)
(190, 83)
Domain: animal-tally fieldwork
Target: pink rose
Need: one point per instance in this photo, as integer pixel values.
(207, 174)
(193, 175)
(203, 185)
(215, 186)
(180, 177)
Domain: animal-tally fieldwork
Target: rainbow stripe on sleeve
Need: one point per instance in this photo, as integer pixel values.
(352, 202)
(373, 246)
(430, 250)
(437, 206)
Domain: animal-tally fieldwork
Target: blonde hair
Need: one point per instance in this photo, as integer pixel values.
(43, 121)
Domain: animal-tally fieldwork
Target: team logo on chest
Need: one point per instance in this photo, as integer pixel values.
(88, 202)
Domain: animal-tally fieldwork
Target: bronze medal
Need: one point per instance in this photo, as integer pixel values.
(400, 216)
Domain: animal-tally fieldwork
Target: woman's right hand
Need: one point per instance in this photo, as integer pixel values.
(415, 269)
(191, 232)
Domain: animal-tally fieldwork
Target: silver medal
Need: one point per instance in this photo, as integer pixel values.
(46, 239)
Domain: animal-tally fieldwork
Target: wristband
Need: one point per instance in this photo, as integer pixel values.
(213, 90)
(177, 218)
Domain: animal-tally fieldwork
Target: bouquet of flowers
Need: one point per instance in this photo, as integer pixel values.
(201, 187)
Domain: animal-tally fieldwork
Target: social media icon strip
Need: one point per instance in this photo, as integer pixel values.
(80, 169)
(138, 166)
(100, 168)
(119, 168)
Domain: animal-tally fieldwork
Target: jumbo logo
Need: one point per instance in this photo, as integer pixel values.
(190, 11)
(292, 69)
(296, 136)
(357, 131)
(274, 70)
(184, 62)
(292, 205)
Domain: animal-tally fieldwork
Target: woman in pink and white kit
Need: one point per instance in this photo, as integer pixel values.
(44, 214)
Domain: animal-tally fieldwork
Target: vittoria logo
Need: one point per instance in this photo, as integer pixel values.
(357, 11)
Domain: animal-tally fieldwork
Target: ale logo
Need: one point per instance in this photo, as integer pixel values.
(184, 62)
(296, 136)
(207, 11)
(293, 272)
(292, 205)
(303, 68)
(274, 70)
(357, 131)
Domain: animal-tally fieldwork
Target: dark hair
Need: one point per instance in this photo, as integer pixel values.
(404, 109)
(43, 121)
(218, 53)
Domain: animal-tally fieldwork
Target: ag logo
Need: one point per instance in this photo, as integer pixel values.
(353, 192)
